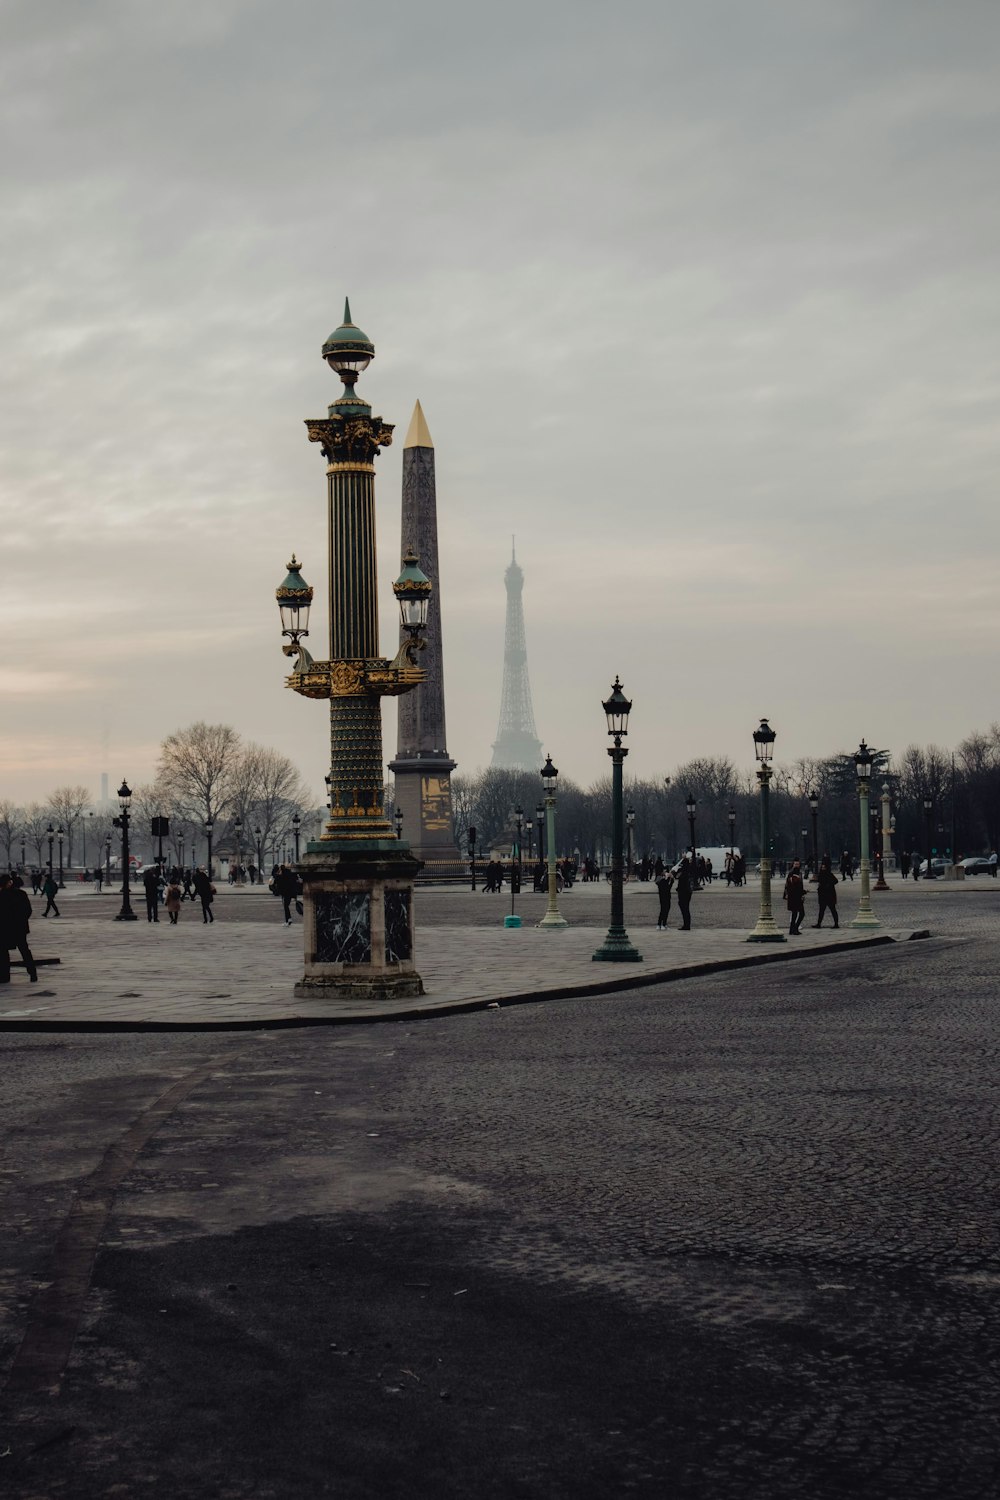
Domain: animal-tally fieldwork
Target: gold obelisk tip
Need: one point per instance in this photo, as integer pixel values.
(418, 434)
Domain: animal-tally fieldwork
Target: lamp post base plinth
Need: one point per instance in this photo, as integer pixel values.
(357, 902)
(552, 921)
(766, 935)
(617, 949)
(126, 916)
(865, 919)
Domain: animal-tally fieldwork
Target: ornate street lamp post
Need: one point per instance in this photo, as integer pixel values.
(60, 836)
(398, 820)
(296, 825)
(209, 829)
(540, 825)
(357, 877)
(880, 828)
(692, 805)
(180, 848)
(126, 914)
(529, 825)
(814, 813)
(928, 815)
(731, 815)
(763, 743)
(803, 835)
(630, 857)
(257, 838)
(617, 947)
(863, 766)
(238, 828)
(472, 852)
(515, 863)
(107, 861)
(553, 918)
(52, 833)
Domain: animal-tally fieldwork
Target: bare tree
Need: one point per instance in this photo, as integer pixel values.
(11, 821)
(36, 823)
(197, 765)
(66, 805)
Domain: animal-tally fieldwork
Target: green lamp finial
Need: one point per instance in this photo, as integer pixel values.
(347, 310)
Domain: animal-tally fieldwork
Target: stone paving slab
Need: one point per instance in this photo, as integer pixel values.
(239, 975)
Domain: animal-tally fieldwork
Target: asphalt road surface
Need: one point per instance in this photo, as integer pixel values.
(733, 1237)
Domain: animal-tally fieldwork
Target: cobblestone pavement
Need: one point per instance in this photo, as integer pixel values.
(240, 971)
(733, 1239)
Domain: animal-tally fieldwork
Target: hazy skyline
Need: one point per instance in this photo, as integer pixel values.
(701, 304)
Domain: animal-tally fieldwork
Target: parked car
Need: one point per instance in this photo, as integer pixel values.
(979, 864)
(938, 867)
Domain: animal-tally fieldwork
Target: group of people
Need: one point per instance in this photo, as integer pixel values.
(682, 879)
(495, 873)
(795, 895)
(169, 890)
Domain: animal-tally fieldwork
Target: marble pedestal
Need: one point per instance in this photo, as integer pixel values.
(358, 920)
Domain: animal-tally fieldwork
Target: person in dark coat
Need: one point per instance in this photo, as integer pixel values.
(50, 891)
(685, 885)
(205, 891)
(795, 899)
(664, 887)
(286, 883)
(826, 891)
(151, 886)
(15, 914)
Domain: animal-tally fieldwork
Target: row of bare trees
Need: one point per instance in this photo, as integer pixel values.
(206, 772)
(963, 788)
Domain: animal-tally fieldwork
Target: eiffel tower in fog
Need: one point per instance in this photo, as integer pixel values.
(517, 745)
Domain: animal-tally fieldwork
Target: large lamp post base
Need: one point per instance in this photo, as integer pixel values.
(865, 919)
(617, 949)
(552, 920)
(358, 920)
(768, 935)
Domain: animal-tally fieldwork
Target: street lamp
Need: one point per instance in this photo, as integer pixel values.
(238, 827)
(357, 877)
(691, 804)
(553, 917)
(60, 836)
(803, 835)
(257, 837)
(398, 820)
(209, 828)
(107, 860)
(126, 914)
(512, 920)
(530, 826)
(731, 815)
(51, 833)
(180, 848)
(763, 744)
(878, 835)
(616, 948)
(472, 853)
(296, 825)
(863, 767)
(814, 812)
(629, 825)
(928, 813)
(540, 825)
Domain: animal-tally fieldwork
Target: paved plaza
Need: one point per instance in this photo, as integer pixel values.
(731, 1237)
(239, 971)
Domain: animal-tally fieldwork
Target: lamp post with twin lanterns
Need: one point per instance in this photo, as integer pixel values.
(763, 744)
(357, 877)
(553, 918)
(126, 914)
(617, 947)
(863, 767)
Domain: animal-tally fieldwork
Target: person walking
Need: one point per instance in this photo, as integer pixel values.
(904, 864)
(915, 864)
(286, 885)
(664, 887)
(36, 882)
(151, 887)
(685, 885)
(173, 901)
(205, 891)
(826, 892)
(50, 890)
(795, 898)
(846, 866)
(15, 914)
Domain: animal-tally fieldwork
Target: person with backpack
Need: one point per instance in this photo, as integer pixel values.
(826, 891)
(15, 912)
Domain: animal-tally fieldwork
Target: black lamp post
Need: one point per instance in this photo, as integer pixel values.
(51, 833)
(296, 825)
(928, 815)
(540, 825)
(617, 948)
(398, 820)
(804, 834)
(731, 815)
(60, 836)
(180, 849)
(472, 853)
(553, 918)
(126, 914)
(863, 767)
(107, 860)
(257, 838)
(515, 867)
(238, 826)
(209, 829)
(692, 806)
(630, 856)
(763, 744)
(814, 813)
(530, 826)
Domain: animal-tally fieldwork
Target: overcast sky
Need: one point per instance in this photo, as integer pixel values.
(700, 301)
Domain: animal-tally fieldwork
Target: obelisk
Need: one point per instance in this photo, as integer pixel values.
(422, 767)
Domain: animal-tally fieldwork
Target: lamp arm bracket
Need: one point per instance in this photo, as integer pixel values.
(374, 678)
